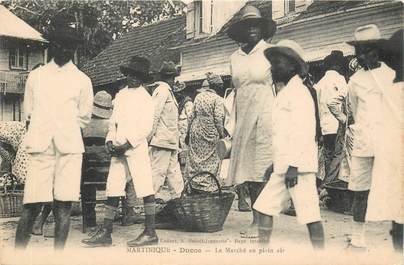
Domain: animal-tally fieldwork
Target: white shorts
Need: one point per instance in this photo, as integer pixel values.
(134, 165)
(53, 176)
(275, 195)
(360, 177)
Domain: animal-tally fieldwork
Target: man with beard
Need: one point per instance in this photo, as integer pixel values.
(58, 102)
(295, 147)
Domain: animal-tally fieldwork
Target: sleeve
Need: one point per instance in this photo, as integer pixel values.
(85, 104)
(143, 118)
(352, 102)
(111, 135)
(189, 110)
(29, 97)
(160, 96)
(302, 133)
(218, 114)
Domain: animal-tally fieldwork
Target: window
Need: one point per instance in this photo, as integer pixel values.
(199, 18)
(283, 7)
(18, 58)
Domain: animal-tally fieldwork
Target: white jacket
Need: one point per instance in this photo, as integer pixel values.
(58, 101)
(294, 129)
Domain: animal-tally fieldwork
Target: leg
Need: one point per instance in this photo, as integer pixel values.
(88, 200)
(148, 236)
(242, 203)
(316, 232)
(265, 228)
(160, 160)
(38, 225)
(397, 236)
(62, 211)
(25, 224)
(329, 147)
(128, 203)
(359, 207)
(255, 189)
(175, 180)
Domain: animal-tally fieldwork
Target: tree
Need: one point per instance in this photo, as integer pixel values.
(98, 22)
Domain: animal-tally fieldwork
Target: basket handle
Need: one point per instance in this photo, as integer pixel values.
(188, 182)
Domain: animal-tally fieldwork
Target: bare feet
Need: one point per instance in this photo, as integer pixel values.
(250, 232)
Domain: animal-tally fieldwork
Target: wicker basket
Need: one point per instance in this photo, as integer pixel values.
(203, 212)
(11, 200)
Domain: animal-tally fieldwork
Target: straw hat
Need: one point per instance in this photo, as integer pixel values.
(102, 106)
(138, 66)
(169, 69)
(369, 34)
(178, 86)
(213, 79)
(290, 49)
(251, 15)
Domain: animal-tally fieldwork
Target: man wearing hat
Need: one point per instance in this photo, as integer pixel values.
(130, 124)
(164, 138)
(365, 89)
(58, 101)
(294, 145)
(332, 85)
(386, 201)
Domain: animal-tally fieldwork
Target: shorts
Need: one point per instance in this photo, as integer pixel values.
(53, 176)
(360, 178)
(275, 196)
(134, 165)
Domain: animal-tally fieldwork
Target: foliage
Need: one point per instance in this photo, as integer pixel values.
(98, 22)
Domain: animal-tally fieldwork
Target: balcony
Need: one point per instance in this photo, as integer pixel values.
(12, 82)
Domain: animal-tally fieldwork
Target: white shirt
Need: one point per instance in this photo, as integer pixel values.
(365, 89)
(328, 88)
(294, 129)
(132, 117)
(58, 101)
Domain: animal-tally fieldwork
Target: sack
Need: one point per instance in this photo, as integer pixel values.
(223, 148)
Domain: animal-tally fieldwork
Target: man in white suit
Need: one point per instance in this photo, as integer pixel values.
(58, 103)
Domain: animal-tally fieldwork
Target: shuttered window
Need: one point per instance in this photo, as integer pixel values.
(190, 20)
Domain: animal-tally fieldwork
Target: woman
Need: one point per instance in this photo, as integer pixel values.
(207, 127)
(251, 153)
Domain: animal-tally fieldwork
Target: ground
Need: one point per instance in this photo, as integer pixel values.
(290, 245)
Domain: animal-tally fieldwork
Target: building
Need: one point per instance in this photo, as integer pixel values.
(21, 49)
(318, 26)
(151, 41)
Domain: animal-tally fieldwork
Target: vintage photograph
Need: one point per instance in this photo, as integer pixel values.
(201, 132)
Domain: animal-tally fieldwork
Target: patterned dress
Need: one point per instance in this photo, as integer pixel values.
(12, 133)
(207, 127)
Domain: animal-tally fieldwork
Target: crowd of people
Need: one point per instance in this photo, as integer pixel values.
(270, 127)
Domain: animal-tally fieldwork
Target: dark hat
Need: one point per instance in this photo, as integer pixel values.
(64, 36)
(251, 15)
(292, 50)
(137, 65)
(366, 35)
(169, 68)
(335, 58)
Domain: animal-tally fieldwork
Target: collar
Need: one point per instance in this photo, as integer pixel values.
(261, 44)
(68, 66)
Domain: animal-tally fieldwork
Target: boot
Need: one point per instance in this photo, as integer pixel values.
(101, 238)
(144, 239)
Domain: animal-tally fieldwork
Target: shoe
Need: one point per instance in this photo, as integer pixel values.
(100, 239)
(243, 206)
(128, 220)
(94, 230)
(250, 232)
(143, 240)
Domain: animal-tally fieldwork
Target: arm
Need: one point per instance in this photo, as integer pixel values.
(160, 96)
(29, 98)
(352, 102)
(85, 104)
(218, 115)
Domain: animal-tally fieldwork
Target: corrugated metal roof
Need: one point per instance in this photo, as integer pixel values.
(13, 26)
(151, 41)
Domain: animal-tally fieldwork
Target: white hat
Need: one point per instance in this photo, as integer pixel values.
(102, 105)
(366, 35)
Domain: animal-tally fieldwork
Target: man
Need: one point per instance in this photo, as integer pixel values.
(58, 102)
(295, 148)
(130, 124)
(364, 97)
(164, 138)
(331, 86)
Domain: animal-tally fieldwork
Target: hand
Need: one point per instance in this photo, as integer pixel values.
(110, 147)
(291, 177)
(268, 172)
(121, 149)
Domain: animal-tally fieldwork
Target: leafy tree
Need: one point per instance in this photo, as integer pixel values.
(98, 22)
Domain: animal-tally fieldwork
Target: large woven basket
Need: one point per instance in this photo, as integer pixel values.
(203, 212)
(11, 201)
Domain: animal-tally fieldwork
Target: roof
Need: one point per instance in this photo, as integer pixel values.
(321, 7)
(14, 27)
(151, 41)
